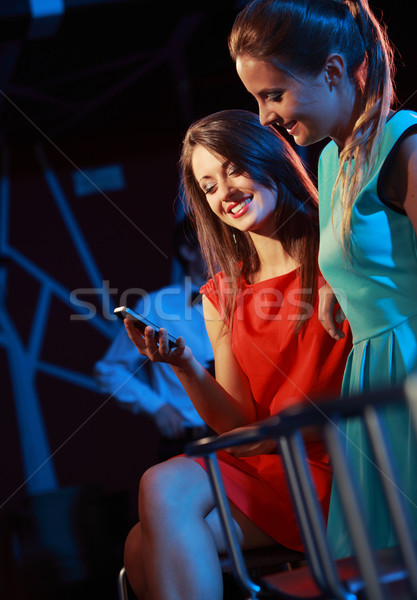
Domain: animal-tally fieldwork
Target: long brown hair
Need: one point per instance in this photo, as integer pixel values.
(297, 36)
(268, 159)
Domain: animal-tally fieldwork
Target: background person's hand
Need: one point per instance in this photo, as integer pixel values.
(327, 315)
(169, 422)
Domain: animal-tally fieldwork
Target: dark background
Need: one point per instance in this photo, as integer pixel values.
(109, 83)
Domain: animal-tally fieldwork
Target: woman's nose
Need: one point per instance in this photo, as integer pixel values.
(267, 117)
(226, 188)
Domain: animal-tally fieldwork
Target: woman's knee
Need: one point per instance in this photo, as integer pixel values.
(172, 487)
(158, 485)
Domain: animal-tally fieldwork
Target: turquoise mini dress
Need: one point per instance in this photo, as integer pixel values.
(377, 290)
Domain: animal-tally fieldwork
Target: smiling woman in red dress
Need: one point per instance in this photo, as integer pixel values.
(255, 210)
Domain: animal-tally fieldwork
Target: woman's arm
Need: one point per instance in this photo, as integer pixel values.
(401, 181)
(223, 403)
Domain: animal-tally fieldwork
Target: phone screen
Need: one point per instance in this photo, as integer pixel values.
(141, 322)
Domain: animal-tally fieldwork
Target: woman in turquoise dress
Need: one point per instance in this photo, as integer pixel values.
(323, 68)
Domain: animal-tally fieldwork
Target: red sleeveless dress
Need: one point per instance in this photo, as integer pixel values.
(283, 368)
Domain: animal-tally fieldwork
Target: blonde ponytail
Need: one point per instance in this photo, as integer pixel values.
(375, 82)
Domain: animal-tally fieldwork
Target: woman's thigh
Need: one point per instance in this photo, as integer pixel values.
(249, 534)
(179, 489)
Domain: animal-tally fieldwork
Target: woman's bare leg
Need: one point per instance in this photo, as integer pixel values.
(173, 553)
(133, 563)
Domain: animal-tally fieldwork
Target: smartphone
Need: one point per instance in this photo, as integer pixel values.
(141, 322)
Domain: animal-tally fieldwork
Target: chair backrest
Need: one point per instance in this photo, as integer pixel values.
(372, 577)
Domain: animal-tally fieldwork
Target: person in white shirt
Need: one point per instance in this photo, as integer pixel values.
(154, 389)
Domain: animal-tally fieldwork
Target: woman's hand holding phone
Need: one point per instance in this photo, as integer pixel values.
(157, 349)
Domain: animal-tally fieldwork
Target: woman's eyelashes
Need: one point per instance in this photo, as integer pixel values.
(209, 188)
(232, 171)
(274, 96)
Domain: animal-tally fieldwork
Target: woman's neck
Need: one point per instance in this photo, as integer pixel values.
(350, 110)
(273, 259)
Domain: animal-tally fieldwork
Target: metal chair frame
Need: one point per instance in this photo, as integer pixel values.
(286, 430)
(122, 591)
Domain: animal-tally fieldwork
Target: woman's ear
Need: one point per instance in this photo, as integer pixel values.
(334, 69)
